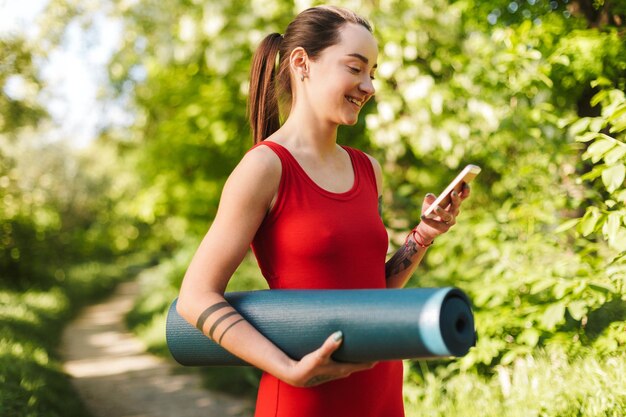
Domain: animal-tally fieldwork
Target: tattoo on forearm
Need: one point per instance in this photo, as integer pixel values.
(210, 310)
(401, 260)
(316, 380)
(380, 205)
(228, 328)
(218, 321)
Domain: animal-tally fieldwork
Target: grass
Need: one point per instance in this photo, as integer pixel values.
(32, 382)
(545, 384)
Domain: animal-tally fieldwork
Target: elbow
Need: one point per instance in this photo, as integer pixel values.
(184, 307)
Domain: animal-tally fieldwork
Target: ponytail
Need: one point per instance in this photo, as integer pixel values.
(263, 96)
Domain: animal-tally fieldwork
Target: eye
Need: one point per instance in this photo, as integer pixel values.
(354, 70)
(372, 77)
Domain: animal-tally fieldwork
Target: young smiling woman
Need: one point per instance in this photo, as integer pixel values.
(310, 210)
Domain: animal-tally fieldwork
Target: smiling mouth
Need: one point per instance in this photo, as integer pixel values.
(358, 103)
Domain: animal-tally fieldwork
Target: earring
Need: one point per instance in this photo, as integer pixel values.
(302, 78)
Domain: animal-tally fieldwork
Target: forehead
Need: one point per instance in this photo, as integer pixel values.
(355, 39)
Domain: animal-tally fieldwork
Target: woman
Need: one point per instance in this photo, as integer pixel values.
(310, 210)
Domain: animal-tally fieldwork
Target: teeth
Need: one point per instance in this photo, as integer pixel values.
(353, 100)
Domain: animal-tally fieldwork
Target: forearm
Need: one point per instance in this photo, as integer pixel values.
(224, 325)
(400, 267)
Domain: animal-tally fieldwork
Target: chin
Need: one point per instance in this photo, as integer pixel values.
(349, 121)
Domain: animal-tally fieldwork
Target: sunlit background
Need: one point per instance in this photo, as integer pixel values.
(121, 119)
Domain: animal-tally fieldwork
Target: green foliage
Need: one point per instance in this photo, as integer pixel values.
(530, 91)
(546, 384)
(64, 209)
(33, 382)
(607, 154)
(19, 107)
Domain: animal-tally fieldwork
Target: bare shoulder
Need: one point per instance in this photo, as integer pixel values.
(378, 172)
(261, 160)
(257, 175)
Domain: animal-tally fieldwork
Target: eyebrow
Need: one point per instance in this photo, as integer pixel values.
(362, 58)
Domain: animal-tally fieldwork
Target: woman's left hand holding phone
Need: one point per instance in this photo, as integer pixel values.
(428, 229)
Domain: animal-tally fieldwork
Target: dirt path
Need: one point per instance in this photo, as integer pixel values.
(116, 378)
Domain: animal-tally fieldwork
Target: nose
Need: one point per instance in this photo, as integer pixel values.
(367, 86)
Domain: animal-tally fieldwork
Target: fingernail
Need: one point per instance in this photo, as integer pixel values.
(454, 193)
(338, 335)
(422, 217)
(430, 195)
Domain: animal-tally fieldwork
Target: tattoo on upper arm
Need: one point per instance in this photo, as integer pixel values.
(380, 205)
(401, 260)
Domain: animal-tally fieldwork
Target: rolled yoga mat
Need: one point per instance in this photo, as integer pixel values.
(383, 324)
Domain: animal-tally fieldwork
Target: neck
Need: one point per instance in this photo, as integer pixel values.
(303, 129)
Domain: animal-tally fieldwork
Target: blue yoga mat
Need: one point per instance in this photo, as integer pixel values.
(377, 325)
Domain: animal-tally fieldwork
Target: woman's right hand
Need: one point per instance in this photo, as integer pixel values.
(317, 367)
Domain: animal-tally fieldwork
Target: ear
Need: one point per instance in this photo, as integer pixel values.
(299, 62)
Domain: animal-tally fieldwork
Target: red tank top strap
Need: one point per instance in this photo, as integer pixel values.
(363, 165)
(279, 150)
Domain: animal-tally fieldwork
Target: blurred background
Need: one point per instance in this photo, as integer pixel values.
(120, 120)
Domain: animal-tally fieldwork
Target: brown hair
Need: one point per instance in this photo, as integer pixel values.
(314, 29)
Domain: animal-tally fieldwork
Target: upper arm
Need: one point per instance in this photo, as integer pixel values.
(245, 201)
(378, 173)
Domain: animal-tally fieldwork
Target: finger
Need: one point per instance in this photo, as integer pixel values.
(465, 191)
(455, 203)
(430, 198)
(331, 344)
(445, 216)
(436, 224)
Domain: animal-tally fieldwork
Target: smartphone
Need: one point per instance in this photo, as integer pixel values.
(465, 176)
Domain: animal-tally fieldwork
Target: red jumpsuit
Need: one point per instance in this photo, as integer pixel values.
(316, 239)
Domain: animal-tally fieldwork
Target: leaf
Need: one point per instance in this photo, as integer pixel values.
(596, 124)
(529, 337)
(615, 154)
(611, 226)
(619, 112)
(601, 81)
(621, 196)
(598, 148)
(602, 287)
(577, 309)
(553, 315)
(586, 137)
(593, 174)
(619, 241)
(579, 126)
(596, 99)
(588, 222)
(541, 285)
(613, 177)
(618, 126)
(566, 225)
